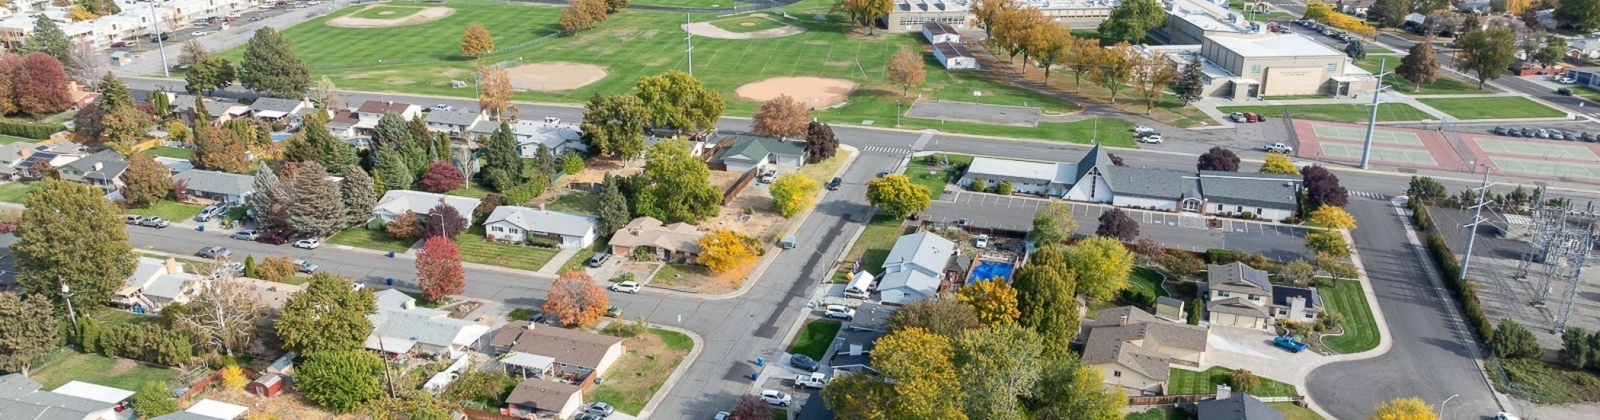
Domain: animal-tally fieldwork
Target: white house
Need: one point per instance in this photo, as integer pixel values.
(453, 123)
(939, 32)
(520, 224)
(954, 56)
(396, 202)
(915, 267)
(22, 398)
(156, 283)
(1081, 181)
(555, 135)
(275, 109)
(400, 327)
(221, 186)
(370, 112)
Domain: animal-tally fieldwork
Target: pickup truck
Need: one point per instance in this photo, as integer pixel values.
(814, 381)
(1289, 343)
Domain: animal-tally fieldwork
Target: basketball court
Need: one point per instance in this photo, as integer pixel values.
(1400, 138)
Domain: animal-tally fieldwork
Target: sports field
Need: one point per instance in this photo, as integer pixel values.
(386, 12)
(1345, 113)
(323, 46)
(1356, 133)
(1533, 148)
(1546, 168)
(747, 24)
(1353, 151)
(1477, 108)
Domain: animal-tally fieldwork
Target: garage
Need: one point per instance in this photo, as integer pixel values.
(1235, 320)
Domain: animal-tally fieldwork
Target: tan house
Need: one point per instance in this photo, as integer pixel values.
(667, 242)
(1134, 350)
(559, 352)
(1241, 296)
(156, 283)
(534, 398)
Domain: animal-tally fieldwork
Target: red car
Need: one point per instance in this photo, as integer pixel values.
(1251, 117)
(274, 238)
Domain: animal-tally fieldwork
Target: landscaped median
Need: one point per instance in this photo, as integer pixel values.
(1345, 113)
(1360, 330)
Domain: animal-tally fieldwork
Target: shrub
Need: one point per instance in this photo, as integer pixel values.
(543, 243)
(626, 276)
(1138, 296)
(978, 185)
(1242, 380)
(627, 329)
(31, 130)
(524, 192)
(276, 269)
(1004, 188)
(148, 343)
(1195, 307)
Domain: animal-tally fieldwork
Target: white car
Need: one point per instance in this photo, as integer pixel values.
(982, 241)
(1142, 129)
(198, 33)
(839, 311)
(1279, 148)
(1152, 139)
(307, 243)
(313, 2)
(1566, 81)
(776, 397)
(443, 107)
(626, 287)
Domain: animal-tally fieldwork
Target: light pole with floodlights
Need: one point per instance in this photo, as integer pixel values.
(66, 295)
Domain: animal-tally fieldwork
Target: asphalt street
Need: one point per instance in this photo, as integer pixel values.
(1433, 357)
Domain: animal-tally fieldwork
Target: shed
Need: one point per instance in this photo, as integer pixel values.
(267, 385)
(284, 365)
(1169, 309)
(218, 409)
(121, 58)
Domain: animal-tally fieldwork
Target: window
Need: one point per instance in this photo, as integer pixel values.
(1240, 209)
(1258, 211)
(1333, 67)
(1310, 315)
(1116, 374)
(1222, 293)
(1255, 69)
(496, 229)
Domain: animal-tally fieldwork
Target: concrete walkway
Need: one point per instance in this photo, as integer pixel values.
(554, 266)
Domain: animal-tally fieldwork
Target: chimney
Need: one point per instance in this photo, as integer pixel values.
(531, 325)
(541, 206)
(99, 166)
(409, 304)
(173, 267)
(1223, 391)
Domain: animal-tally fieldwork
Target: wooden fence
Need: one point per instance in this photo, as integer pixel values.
(744, 181)
(206, 382)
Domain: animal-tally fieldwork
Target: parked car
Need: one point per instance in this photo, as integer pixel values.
(1251, 117)
(214, 252)
(307, 243)
(601, 408)
(768, 177)
(599, 258)
(274, 238)
(776, 397)
(1151, 139)
(198, 33)
(816, 380)
(804, 362)
(625, 287)
(1289, 343)
(1237, 117)
(1542, 133)
(613, 311)
(884, 173)
(154, 221)
(443, 107)
(1142, 129)
(1500, 130)
(981, 241)
(119, 44)
(588, 416)
(305, 266)
(1564, 92)
(255, 18)
(248, 235)
(722, 415)
(1557, 135)
(834, 184)
(1586, 136)
(839, 311)
(1527, 132)
(1279, 148)
(210, 212)
(133, 219)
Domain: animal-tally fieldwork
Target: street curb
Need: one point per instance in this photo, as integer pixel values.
(677, 373)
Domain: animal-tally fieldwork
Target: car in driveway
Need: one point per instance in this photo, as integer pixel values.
(307, 243)
(981, 241)
(722, 415)
(804, 362)
(1279, 148)
(154, 221)
(599, 259)
(839, 312)
(247, 235)
(1289, 343)
(625, 287)
(214, 252)
(601, 408)
(305, 266)
(776, 397)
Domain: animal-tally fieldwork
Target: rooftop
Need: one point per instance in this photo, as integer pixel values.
(572, 347)
(648, 231)
(1266, 46)
(1238, 406)
(922, 249)
(542, 395)
(217, 182)
(1110, 337)
(543, 221)
(952, 49)
(1237, 277)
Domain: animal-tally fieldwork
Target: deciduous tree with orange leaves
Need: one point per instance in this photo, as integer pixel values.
(575, 299)
(439, 269)
(724, 250)
(1412, 408)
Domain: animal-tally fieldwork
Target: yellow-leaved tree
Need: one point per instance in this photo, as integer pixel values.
(1278, 163)
(1411, 408)
(793, 193)
(1332, 218)
(233, 378)
(924, 378)
(1102, 264)
(994, 301)
(476, 41)
(723, 250)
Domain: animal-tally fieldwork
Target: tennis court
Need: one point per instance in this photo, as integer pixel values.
(1545, 167)
(1360, 134)
(1386, 154)
(1533, 148)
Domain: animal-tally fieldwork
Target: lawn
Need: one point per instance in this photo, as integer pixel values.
(4, 139)
(1191, 382)
(171, 152)
(576, 202)
(1295, 412)
(640, 372)
(1345, 113)
(361, 237)
(67, 365)
(1443, 85)
(387, 12)
(747, 24)
(473, 189)
(815, 337)
(670, 272)
(1159, 413)
(935, 175)
(15, 191)
(1543, 383)
(824, 171)
(475, 248)
(1147, 279)
(1492, 107)
(699, 4)
(1345, 298)
(874, 244)
(171, 210)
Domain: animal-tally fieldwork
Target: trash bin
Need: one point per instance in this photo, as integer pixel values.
(201, 228)
(388, 281)
(391, 254)
(761, 361)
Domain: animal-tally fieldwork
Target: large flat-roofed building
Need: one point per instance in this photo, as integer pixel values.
(1190, 21)
(1250, 66)
(909, 15)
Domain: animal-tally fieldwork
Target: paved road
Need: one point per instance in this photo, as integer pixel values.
(1432, 358)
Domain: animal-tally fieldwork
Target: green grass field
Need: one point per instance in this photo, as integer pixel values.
(874, 244)
(361, 237)
(1191, 382)
(698, 4)
(815, 337)
(1443, 85)
(747, 24)
(170, 210)
(1345, 113)
(922, 173)
(1147, 279)
(1492, 107)
(1544, 383)
(171, 152)
(322, 46)
(639, 374)
(4, 140)
(15, 191)
(475, 248)
(1295, 412)
(576, 202)
(1360, 330)
(67, 365)
(386, 12)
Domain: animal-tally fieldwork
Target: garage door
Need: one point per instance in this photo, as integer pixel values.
(1226, 319)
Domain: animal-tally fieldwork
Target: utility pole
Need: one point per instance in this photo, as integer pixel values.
(688, 41)
(1372, 122)
(161, 46)
(1477, 217)
(66, 296)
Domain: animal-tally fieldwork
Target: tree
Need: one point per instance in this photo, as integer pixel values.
(1298, 272)
(781, 117)
(1046, 300)
(1102, 264)
(751, 407)
(723, 250)
(328, 316)
(868, 11)
(316, 208)
(340, 381)
(1512, 340)
(502, 164)
(270, 201)
(820, 142)
(219, 149)
(793, 193)
(315, 144)
(146, 181)
(494, 92)
(1152, 73)
(987, 14)
(70, 235)
(159, 100)
(47, 38)
(1130, 21)
(925, 379)
(857, 397)
(192, 53)
(1322, 188)
(575, 300)
(390, 167)
(1218, 159)
(1487, 53)
(476, 41)
(1336, 267)
(614, 212)
(277, 269)
(407, 225)
(1113, 66)
(1190, 83)
(1553, 52)
(676, 185)
(1408, 408)
(897, 196)
(442, 176)
(233, 378)
(27, 331)
(1576, 348)
(325, 93)
(1278, 163)
(614, 125)
(1053, 224)
(942, 317)
(1329, 242)
(1068, 390)
(439, 271)
(998, 364)
(154, 400)
(679, 101)
(993, 301)
(1390, 13)
(1584, 15)
(1355, 50)
(575, 17)
(1116, 224)
(270, 67)
(1195, 308)
(571, 163)
(40, 85)
(209, 74)
(906, 71)
(444, 219)
(222, 318)
(1332, 218)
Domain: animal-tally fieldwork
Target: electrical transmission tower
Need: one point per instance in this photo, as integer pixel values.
(1562, 243)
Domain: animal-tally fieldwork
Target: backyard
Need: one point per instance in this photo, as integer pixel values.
(15, 191)
(1346, 298)
(171, 210)
(65, 365)
(874, 244)
(1477, 108)
(171, 152)
(936, 174)
(640, 372)
(815, 337)
(1346, 113)
(575, 202)
(1191, 382)
(1147, 279)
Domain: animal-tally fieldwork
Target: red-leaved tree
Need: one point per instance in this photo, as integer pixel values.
(751, 407)
(41, 85)
(443, 220)
(439, 269)
(10, 65)
(575, 300)
(442, 176)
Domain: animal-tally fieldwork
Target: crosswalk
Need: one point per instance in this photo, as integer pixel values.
(889, 150)
(1191, 221)
(1371, 195)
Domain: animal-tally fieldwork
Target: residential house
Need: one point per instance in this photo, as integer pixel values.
(156, 283)
(562, 353)
(368, 114)
(696, 147)
(915, 267)
(456, 124)
(175, 165)
(1583, 48)
(938, 32)
(342, 123)
(94, 392)
(11, 158)
(541, 399)
(1134, 350)
(22, 398)
(853, 346)
(80, 96)
(523, 224)
(1241, 296)
(401, 328)
(278, 109)
(220, 112)
(1230, 406)
(212, 409)
(396, 202)
(665, 242)
(954, 56)
(223, 187)
(8, 264)
(741, 153)
(102, 169)
(553, 134)
(1353, 7)
(53, 155)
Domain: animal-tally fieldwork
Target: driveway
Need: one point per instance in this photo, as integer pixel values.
(1234, 347)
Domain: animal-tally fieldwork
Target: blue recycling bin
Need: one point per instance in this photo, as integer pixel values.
(761, 361)
(201, 228)
(391, 254)
(388, 281)
(754, 375)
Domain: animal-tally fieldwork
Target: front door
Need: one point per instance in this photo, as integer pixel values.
(1191, 205)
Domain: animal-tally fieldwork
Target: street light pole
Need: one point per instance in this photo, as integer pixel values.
(1372, 121)
(66, 295)
(161, 46)
(1446, 401)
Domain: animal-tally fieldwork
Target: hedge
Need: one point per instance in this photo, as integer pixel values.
(29, 130)
(1466, 292)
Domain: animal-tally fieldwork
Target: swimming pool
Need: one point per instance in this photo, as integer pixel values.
(991, 269)
(277, 137)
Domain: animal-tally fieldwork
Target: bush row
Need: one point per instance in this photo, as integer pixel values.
(1466, 292)
(29, 130)
(143, 342)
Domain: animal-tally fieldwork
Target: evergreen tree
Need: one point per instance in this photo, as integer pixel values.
(358, 195)
(391, 133)
(1356, 50)
(502, 165)
(270, 201)
(270, 67)
(393, 171)
(28, 331)
(315, 144)
(614, 212)
(316, 208)
(48, 38)
(70, 235)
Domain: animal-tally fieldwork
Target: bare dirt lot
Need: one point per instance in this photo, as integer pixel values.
(426, 15)
(815, 92)
(549, 77)
(288, 405)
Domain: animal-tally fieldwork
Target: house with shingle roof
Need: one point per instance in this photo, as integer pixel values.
(666, 242)
(741, 153)
(400, 327)
(453, 123)
(220, 186)
(278, 109)
(570, 351)
(11, 158)
(23, 398)
(1241, 296)
(102, 169)
(553, 134)
(914, 268)
(396, 202)
(368, 114)
(1134, 350)
(1230, 406)
(522, 224)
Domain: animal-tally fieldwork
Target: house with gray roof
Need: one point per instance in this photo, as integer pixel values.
(278, 109)
(102, 169)
(553, 134)
(453, 123)
(1134, 350)
(854, 344)
(24, 399)
(403, 329)
(220, 186)
(1241, 296)
(11, 158)
(741, 153)
(1230, 406)
(220, 112)
(523, 224)
(1084, 180)
(915, 267)
(156, 283)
